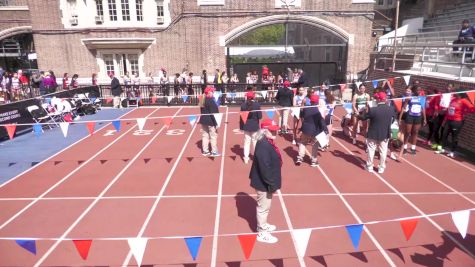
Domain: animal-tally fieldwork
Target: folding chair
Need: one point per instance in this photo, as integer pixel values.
(38, 115)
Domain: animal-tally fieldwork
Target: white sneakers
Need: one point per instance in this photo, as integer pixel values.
(264, 236)
(246, 160)
(369, 169)
(380, 170)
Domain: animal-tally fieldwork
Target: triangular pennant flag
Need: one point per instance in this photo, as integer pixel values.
(184, 97)
(141, 123)
(189, 159)
(37, 129)
(29, 245)
(342, 87)
(408, 227)
(391, 81)
(218, 117)
(264, 94)
(217, 95)
(375, 84)
(11, 164)
(137, 246)
(34, 163)
(169, 98)
(11, 128)
(471, 96)
(154, 99)
(193, 244)
(358, 84)
(270, 113)
(83, 247)
(244, 115)
(354, 231)
(169, 159)
(103, 161)
(295, 112)
(146, 160)
(192, 119)
(108, 100)
(64, 128)
(125, 160)
(247, 244)
(167, 121)
(407, 78)
(461, 219)
(116, 125)
(348, 107)
(80, 162)
(57, 162)
(90, 126)
(398, 104)
(233, 158)
(301, 237)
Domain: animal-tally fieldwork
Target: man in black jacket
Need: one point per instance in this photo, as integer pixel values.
(115, 90)
(312, 125)
(209, 125)
(285, 97)
(266, 177)
(379, 132)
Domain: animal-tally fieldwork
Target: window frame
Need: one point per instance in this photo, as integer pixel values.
(112, 8)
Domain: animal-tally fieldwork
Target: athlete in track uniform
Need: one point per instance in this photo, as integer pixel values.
(360, 105)
(416, 116)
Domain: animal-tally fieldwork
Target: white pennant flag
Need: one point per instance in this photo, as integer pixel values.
(137, 245)
(169, 98)
(301, 237)
(64, 128)
(461, 219)
(358, 84)
(407, 78)
(216, 95)
(295, 112)
(264, 94)
(218, 117)
(141, 123)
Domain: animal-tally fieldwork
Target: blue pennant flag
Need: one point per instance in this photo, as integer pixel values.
(270, 113)
(217, 97)
(37, 129)
(185, 98)
(48, 100)
(193, 244)
(355, 231)
(192, 119)
(375, 84)
(422, 99)
(29, 245)
(232, 94)
(116, 125)
(93, 99)
(348, 107)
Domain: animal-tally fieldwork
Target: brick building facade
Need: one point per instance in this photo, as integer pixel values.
(86, 36)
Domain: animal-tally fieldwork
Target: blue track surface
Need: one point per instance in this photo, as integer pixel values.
(19, 154)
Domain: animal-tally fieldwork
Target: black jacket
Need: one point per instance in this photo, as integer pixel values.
(252, 123)
(115, 87)
(285, 97)
(266, 169)
(380, 120)
(209, 108)
(312, 122)
(302, 82)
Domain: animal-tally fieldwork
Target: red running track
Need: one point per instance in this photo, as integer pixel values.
(155, 183)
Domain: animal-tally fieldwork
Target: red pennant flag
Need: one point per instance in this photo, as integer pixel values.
(247, 244)
(408, 227)
(169, 159)
(80, 162)
(83, 247)
(233, 158)
(103, 161)
(391, 81)
(108, 100)
(167, 121)
(398, 104)
(146, 160)
(90, 126)
(189, 159)
(154, 100)
(11, 128)
(471, 96)
(57, 162)
(342, 87)
(244, 115)
(125, 160)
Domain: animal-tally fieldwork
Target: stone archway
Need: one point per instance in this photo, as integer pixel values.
(14, 31)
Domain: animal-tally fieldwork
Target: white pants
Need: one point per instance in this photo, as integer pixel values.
(284, 117)
(383, 151)
(117, 101)
(209, 134)
(248, 137)
(264, 200)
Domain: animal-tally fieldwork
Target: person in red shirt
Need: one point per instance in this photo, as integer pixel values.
(454, 120)
(430, 111)
(440, 109)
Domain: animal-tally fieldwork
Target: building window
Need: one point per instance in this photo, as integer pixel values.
(99, 9)
(160, 12)
(390, 3)
(134, 63)
(139, 8)
(109, 63)
(380, 2)
(112, 10)
(125, 10)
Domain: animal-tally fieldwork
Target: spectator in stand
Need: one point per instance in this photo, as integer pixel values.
(204, 80)
(35, 83)
(224, 82)
(24, 83)
(42, 87)
(272, 80)
(65, 81)
(266, 177)
(176, 85)
(302, 81)
(285, 99)
(251, 126)
(234, 80)
(163, 79)
(248, 78)
(454, 121)
(218, 81)
(209, 125)
(254, 77)
(189, 84)
(466, 36)
(379, 132)
(74, 81)
(94, 79)
(116, 90)
(295, 77)
(441, 105)
(55, 84)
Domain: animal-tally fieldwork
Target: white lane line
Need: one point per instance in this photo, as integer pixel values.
(410, 203)
(66, 177)
(160, 194)
(59, 152)
(89, 208)
(214, 251)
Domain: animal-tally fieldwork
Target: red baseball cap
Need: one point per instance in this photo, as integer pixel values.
(209, 89)
(250, 95)
(269, 125)
(286, 84)
(314, 99)
(381, 96)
